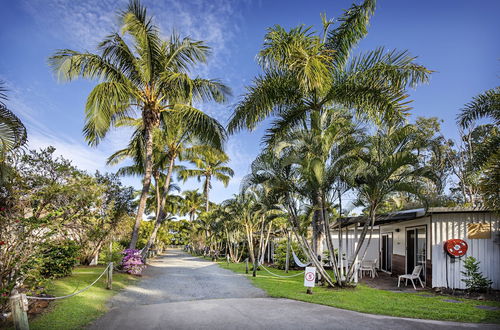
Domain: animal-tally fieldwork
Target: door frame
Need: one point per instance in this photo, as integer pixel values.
(424, 270)
(391, 234)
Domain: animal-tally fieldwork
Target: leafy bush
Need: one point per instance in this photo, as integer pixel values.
(132, 261)
(474, 281)
(58, 258)
(115, 256)
(280, 254)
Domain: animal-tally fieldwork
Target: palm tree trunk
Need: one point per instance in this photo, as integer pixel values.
(160, 216)
(207, 187)
(146, 183)
(370, 220)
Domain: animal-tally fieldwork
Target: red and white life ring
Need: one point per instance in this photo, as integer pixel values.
(456, 247)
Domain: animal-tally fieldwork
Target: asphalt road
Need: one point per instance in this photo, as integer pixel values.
(179, 291)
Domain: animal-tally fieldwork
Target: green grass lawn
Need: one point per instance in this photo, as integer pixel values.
(368, 300)
(77, 311)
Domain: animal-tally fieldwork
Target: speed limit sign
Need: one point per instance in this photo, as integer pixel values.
(310, 276)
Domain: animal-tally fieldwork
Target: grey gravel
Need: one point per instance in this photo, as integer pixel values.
(178, 276)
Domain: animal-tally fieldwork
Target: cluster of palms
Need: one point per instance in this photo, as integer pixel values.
(144, 84)
(339, 126)
(339, 131)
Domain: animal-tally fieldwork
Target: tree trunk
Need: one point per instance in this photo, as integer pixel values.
(160, 216)
(146, 182)
(329, 243)
(207, 188)
(370, 220)
(318, 229)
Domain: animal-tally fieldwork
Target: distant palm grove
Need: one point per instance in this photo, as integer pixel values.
(340, 140)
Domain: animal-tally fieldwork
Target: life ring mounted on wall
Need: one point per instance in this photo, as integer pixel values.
(456, 247)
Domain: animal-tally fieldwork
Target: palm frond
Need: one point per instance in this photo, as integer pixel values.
(353, 27)
(486, 104)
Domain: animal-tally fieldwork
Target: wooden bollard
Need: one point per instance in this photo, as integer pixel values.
(109, 277)
(246, 266)
(19, 307)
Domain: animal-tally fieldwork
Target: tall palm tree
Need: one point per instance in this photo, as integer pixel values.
(12, 130)
(211, 164)
(141, 74)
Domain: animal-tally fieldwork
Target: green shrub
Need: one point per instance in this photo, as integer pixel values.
(115, 256)
(280, 255)
(474, 281)
(58, 258)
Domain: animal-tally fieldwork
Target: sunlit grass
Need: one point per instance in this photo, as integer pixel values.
(77, 311)
(369, 300)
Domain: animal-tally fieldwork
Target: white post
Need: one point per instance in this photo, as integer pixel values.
(355, 263)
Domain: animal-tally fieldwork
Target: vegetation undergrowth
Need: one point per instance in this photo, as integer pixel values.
(78, 311)
(369, 300)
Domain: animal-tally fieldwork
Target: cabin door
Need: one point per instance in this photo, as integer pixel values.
(386, 253)
(416, 249)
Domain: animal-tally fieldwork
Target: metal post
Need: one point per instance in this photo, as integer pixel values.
(109, 282)
(246, 266)
(19, 307)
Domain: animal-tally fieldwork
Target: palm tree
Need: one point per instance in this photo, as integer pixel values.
(146, 76)
(483, 105)
(210, 165)
(193, 201)
(173, 141)
(304, 72)
(386, 166)
(12, 130)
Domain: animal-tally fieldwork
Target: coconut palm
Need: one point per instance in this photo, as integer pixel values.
(12, 131)
(140, 74)
(173, 141)
(210, 164)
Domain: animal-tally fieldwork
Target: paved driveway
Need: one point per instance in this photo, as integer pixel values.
(179, 291)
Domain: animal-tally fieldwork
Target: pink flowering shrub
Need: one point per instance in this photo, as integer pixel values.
(132, 261)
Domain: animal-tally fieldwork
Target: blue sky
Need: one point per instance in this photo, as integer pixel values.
(458, 39)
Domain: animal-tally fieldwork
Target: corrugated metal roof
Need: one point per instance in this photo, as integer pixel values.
(407, 215)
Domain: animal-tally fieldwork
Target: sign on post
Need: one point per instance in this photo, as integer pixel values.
(310, 277)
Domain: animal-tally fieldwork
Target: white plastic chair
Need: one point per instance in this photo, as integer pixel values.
(413, 276)
(368, 266)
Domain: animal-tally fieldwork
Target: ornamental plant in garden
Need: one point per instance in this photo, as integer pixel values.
(132, 261)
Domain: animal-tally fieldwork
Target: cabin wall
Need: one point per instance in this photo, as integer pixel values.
(399, 243)
(349, 239)
(446, 271)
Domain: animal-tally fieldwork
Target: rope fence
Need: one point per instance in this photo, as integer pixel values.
(19, 301)
(75, 293)
(283, 276)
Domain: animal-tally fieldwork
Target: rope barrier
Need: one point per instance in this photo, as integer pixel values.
(284, 276)
(73, 294)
